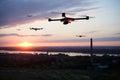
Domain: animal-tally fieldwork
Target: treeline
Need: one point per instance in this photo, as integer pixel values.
(58, 61)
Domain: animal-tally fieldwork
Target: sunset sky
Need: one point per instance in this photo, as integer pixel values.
(15, 23)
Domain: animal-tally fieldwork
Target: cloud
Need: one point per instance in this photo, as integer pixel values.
(64, 40)
(108, 39)
(13, 12)
(47, 35)
(3, 35)
(18, 35)
(117, 33)
(84, 40)
(86, 9)
(94, 31)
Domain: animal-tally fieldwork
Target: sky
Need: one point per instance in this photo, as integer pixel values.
(15, 24)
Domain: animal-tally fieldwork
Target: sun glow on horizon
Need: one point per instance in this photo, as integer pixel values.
(25, 44)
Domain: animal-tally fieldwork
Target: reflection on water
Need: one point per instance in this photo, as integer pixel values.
(53, 53)
(39, 52)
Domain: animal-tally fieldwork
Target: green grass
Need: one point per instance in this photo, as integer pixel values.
(63, 74)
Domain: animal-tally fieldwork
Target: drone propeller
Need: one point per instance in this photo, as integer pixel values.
(86, 16)
(91, 17)
(69, 13)
(85, 9)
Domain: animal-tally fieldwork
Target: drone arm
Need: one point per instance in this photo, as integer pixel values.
(31, 28)
(87, 18)
(40, 28)
(54, 19)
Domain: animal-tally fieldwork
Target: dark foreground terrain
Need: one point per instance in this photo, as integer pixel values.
(56, 74)
(58, 67)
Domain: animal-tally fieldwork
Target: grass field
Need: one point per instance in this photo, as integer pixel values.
(61, 74)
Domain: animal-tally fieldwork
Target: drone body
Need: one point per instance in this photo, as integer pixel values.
(36, 29)
(80, 35)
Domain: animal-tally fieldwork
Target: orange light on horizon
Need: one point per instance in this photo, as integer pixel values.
(25, 44)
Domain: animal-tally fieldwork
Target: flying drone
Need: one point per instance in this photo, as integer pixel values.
(67, 20)
(36, 29)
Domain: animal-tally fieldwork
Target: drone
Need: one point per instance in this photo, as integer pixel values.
(36, 29)
(80, 35)
(18, 29)
(29, 15)
(67, 20)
